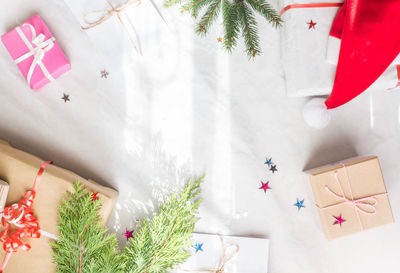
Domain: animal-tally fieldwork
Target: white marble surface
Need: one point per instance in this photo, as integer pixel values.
(189, 108)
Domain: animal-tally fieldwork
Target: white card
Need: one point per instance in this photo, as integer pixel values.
(252, 256)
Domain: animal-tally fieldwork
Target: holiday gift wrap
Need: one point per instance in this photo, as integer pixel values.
(211, 253)
(304, 38)
(122, 28)
(36, 52)
(350, 196)
(20, 169)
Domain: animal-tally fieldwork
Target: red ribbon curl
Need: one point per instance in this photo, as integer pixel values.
(21, 215)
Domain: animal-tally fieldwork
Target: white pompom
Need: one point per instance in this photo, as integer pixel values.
(316, 114)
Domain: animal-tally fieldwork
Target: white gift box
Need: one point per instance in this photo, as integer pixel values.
(303, 49)
(138, 29)
(251, 256)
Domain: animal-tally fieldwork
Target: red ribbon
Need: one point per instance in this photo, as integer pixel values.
(311, 5)
(398, 77)
(21, 215)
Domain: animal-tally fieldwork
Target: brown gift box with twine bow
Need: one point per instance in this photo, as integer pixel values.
(19, 169)
(350, 196)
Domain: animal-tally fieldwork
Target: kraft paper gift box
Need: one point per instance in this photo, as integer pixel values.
(241, 254)
(352, 190)
(19, 169)
(36, 52)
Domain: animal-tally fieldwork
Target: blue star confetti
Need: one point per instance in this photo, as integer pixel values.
(268, 161)
(198, 247)
(299, 204)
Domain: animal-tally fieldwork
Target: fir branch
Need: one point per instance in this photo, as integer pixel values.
(195, 6)
(266, 10)
(231, 25)
(84, 246)
(237, 18)
(169, 3)
(249, 29)
(162, 242)
(209, 17)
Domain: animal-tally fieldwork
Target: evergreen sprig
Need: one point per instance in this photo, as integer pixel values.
(238, 18)
(160, 243)
(84, 245)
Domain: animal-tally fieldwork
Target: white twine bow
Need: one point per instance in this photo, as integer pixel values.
(38, 52)
(365, 205)
(108, 14)
(224, 258)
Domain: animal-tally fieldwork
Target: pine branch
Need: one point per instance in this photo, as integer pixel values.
(249, 29)
(238, 18)
(266, 10)
(162, 242)
(195, 6)
(84, 246)
(231, 25)
(209, 17)
(169, 3)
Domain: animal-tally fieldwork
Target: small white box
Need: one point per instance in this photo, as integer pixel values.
(251, 257)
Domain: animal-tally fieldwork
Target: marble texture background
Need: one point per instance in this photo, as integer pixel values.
(190, 108)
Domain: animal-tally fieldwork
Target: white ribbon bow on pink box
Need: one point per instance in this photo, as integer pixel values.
(36, 52)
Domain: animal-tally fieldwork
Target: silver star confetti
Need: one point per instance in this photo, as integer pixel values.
(104, 73)
(65, 97)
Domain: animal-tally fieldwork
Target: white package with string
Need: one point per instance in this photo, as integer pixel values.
(121, 28)
(304, 39)
(232, 254)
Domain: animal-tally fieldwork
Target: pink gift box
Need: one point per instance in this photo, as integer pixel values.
(36, 52)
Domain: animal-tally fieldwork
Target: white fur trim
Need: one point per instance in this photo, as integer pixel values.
(316, 114)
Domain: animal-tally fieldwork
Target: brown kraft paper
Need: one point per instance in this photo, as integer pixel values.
(360, 198)
(19, 169)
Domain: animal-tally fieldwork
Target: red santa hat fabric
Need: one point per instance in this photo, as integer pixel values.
(368, 34)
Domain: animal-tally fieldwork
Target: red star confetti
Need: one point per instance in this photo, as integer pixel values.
(265, 186)
(95, 196)
(339, 220)
(128, 234)
(311, 24)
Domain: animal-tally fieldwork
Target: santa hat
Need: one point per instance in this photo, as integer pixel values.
(368, 35)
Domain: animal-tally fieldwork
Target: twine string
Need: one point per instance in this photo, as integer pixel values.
(365, 205)
(224, 259)
(108, 14)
